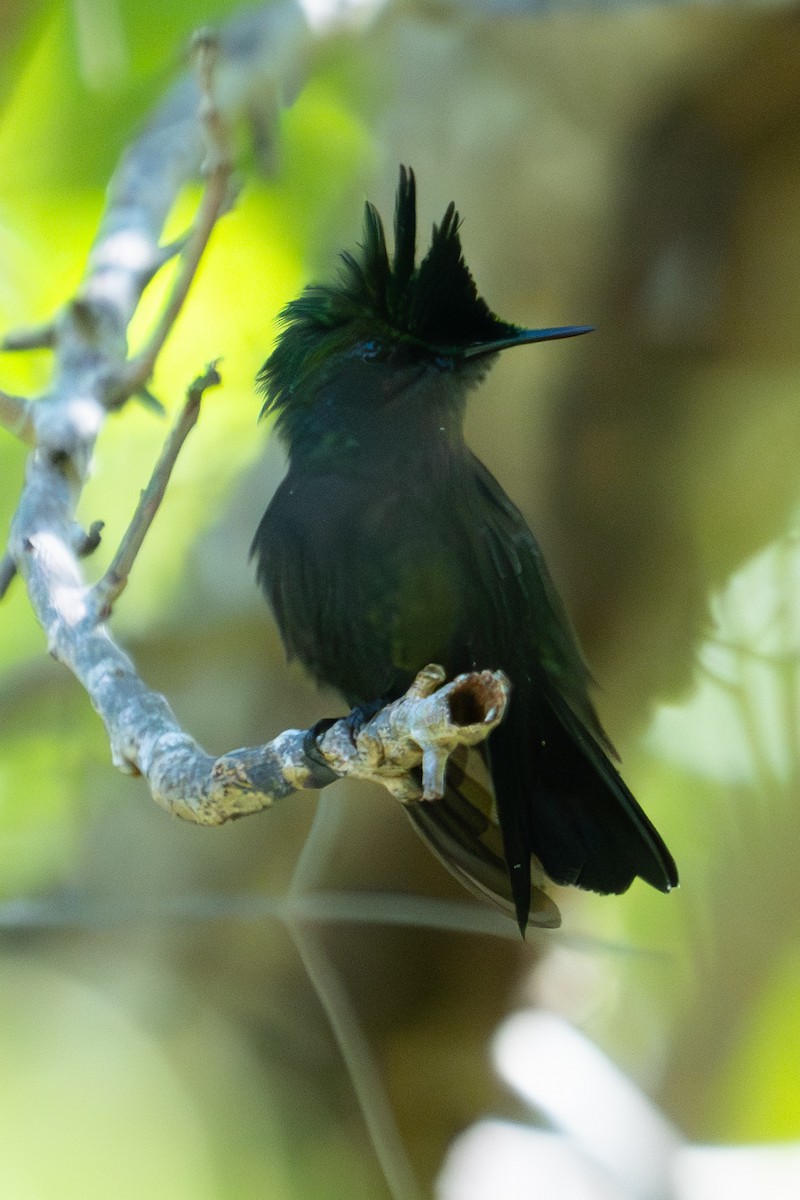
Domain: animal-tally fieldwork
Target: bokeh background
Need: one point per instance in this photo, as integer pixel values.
(165, 1014)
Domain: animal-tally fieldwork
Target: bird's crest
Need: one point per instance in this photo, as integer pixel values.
(435, 305)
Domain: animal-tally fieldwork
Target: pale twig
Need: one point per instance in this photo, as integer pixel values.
(86, 542)
(33, 337)
(217, 168)
(320, 907)
(105, 593)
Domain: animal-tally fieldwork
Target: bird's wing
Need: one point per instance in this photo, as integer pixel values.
(528, 611)
(559, 794)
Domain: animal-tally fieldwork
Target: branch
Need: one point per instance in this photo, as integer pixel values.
(191, 784)
(425, 727)
(217, 168)
(8, 571)
(36, 337)
(115, 580)
(93, 375)
(84, 543)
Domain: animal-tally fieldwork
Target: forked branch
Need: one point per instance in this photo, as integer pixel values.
(93, 375)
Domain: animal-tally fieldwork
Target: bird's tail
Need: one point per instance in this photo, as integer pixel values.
(462, 831)
(563, 800)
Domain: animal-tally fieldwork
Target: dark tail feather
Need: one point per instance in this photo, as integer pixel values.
(562, 799)
(463, 833)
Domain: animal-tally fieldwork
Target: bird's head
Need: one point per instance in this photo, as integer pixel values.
(389, 315)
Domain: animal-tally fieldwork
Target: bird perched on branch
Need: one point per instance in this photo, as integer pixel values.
(389, 545)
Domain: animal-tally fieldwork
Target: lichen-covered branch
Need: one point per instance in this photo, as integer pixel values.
(431, 718)
(217, 168)
(209, 791)
(189, 136)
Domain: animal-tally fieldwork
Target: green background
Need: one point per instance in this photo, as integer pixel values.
(633, 169)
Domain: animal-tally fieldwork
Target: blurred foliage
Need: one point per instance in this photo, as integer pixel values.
(759, 1095)
(636, 169)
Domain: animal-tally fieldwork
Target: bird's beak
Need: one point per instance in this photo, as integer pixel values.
(524, 337)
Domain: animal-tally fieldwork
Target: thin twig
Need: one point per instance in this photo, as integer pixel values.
(362, 1068)
(86, 542)
(110, 587)
(8, 571)
(217, 168)
(317, 907)
(33, 337)
(318, 847)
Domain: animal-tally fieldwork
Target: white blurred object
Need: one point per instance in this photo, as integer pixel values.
(558, 1070)
(496, 1160)
(738, 1172)
(609, 1141)
(325, 16)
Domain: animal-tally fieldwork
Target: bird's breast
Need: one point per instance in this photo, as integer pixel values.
(363, 576)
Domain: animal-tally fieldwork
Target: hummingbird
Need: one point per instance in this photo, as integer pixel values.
(389, 545)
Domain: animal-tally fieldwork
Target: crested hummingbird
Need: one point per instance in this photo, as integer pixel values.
(389, 545)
